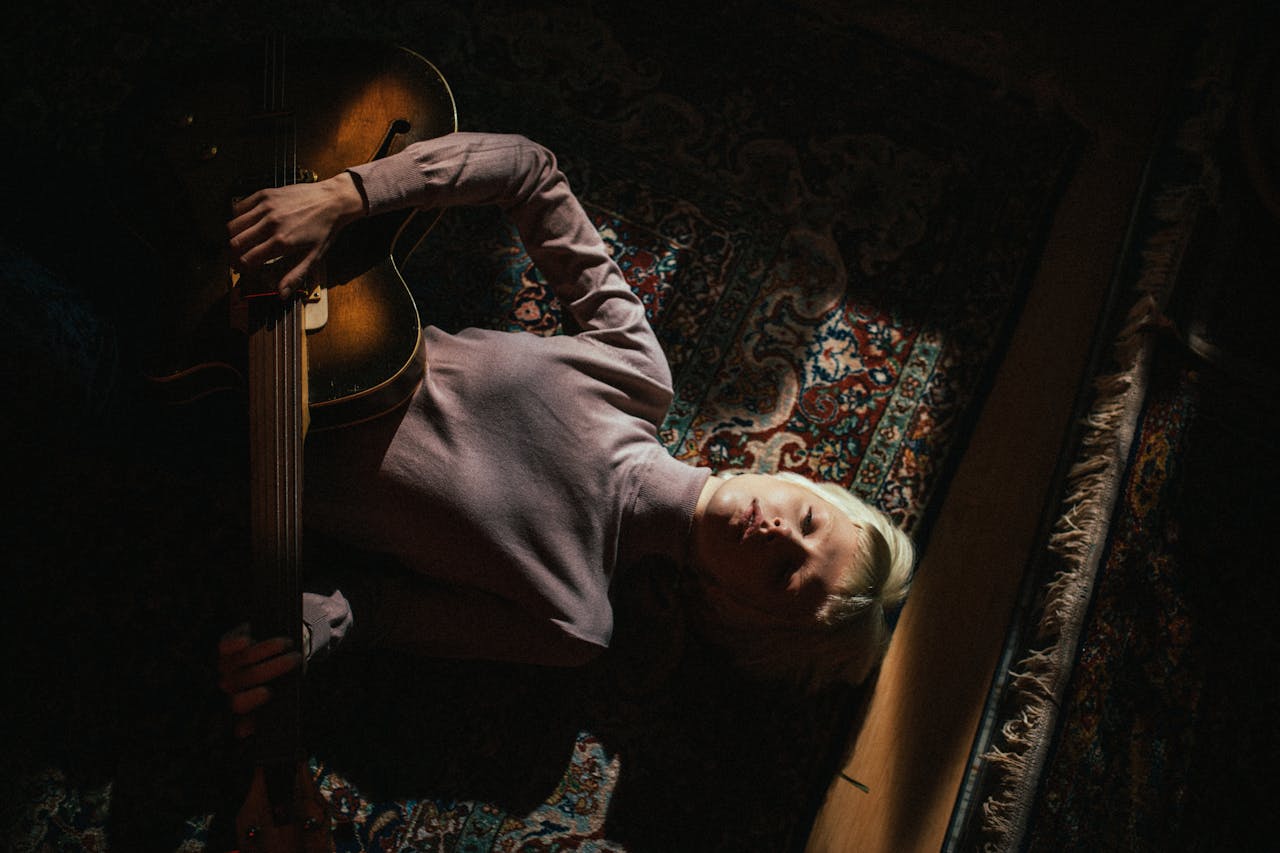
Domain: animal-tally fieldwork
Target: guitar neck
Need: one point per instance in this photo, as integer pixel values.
(277, 427)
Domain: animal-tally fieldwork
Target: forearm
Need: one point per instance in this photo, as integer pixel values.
(515, 174)
(524, 179)
(457, 169)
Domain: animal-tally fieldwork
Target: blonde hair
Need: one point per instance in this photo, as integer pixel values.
(850, 633)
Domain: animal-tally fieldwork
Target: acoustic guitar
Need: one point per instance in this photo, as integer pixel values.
(348, 350)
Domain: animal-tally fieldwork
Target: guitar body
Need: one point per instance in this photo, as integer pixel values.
(198, 138)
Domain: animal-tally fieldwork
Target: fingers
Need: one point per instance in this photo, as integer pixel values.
(259, 244)
(265, 650)
(272, 668)
(249, 700)
(246, 213)
(256, 230)
(259, 237)
(248, 228)
(241, 207)
(249, 692)
(245, 668)
(296, 278)
(236, 651)
(256, 665)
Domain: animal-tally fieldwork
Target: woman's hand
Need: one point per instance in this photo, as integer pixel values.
(246, 667)
(296, 223)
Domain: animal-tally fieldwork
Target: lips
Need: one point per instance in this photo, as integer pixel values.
(751, 520)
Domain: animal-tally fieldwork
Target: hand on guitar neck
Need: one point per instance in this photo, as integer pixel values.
(283, 811)
(297, 222)
(246, 668)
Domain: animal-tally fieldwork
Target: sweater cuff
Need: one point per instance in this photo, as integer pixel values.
(386, 183)
(328, 618)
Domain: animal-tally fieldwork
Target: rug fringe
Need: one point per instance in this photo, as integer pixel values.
(1037, 683)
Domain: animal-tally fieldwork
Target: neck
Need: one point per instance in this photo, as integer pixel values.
(704, 497)
(699, 512)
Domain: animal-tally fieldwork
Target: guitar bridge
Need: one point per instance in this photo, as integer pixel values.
(316, 306)
(315, 296)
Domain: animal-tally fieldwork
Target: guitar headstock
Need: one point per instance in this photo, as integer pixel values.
(283, 815)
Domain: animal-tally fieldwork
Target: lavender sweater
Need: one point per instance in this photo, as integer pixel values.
(524, 468)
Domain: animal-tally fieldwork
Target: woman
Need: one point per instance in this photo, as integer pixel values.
(526, 471)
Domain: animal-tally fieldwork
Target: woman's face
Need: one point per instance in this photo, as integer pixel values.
(772, 548)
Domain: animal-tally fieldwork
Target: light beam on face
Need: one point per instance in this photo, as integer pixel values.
(772, 547)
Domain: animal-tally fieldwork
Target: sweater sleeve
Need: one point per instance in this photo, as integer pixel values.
(524, 179)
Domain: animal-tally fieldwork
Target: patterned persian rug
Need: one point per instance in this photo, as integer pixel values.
(1132, 716)
(833, 237)
(1168, 738)
(1164, 699)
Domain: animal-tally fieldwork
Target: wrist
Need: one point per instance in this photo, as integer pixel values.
(350, 200)
(353, 194)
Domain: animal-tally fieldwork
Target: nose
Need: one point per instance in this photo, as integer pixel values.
(774, 528)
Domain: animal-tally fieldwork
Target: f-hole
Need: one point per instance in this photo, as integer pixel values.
(396, 128)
